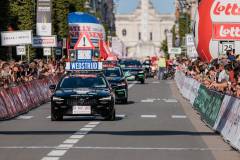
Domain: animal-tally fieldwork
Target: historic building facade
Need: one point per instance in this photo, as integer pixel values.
(143, 30)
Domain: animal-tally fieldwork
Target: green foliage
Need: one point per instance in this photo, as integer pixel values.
(164, 47)
(184, 25)
(61, 8)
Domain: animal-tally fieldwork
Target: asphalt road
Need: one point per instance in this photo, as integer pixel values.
(153, 126)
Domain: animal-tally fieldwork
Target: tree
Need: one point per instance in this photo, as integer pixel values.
(164, 47)
(184, 25)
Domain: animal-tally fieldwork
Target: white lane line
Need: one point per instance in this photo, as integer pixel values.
(148, 116)
(77, 136)
(93, 123)
(179, 116)
(120, 148)
(50, 158)
(48, 117)
(120, 115)
(71, 141)
(65, 146)
(25, 117)
(60, 150)
(90, 126)
(86, 129)
(57, 153)
(147, 101)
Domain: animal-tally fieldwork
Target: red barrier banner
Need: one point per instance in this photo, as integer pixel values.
(3, 110)
(9, 104)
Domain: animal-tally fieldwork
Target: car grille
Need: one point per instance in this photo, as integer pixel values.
(81, 101)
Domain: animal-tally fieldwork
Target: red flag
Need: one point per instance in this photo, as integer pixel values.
(102, 50)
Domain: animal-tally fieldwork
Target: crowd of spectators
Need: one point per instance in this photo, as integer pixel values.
(14, 73)
(222, 74)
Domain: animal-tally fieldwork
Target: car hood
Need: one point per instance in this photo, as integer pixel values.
(114, 80)
(86, 92)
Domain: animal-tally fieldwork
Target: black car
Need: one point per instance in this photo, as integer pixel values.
(133, 69)
(116, 78)
(82, 94)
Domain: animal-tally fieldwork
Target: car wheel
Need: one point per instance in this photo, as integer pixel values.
(111, 116)
(142, 81)
(125, 101)
(56, 116)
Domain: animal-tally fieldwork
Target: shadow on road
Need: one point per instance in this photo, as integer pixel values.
(115, 133)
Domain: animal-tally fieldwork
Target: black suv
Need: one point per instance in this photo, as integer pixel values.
(118, 82)
(133, 70)
(82, 94)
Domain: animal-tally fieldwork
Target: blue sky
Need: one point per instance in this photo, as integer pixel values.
(162, 6)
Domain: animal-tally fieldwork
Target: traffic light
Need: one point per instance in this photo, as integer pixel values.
(72, 55)
(96, 54)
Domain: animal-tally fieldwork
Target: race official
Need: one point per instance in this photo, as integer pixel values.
(161, 67)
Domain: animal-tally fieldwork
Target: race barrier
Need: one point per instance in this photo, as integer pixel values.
(220, 112)
(17, 100)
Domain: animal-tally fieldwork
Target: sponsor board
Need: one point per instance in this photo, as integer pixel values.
(225, 11)
(14, 38)
(84, 65)
(226, 31)
(46, 41)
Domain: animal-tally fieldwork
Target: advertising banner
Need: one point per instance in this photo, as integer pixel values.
(79, 23)
(14, 38)
(226, 31)
(174, 51)
(47, 41)
(44, 17)
(225, 11)
(208, 103)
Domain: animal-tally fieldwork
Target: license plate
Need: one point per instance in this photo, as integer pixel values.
(81, 110)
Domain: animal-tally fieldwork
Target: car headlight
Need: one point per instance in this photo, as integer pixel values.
(57, 99)
(109, 98)
(123, 83)
(141, 72)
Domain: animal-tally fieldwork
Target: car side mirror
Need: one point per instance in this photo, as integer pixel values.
(52, 87)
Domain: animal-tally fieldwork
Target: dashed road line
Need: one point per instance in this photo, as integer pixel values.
(25, 117)
(61, 149)
(117, 148)
(148, 116)
(131, 85)
(170, 100)
(120, 115)
(179, 116)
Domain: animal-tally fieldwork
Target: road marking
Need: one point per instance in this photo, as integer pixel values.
(119, 148)
(120, 115)
(90, 126)
(77, 136)
(179, 116)
(48, 117)
(25, 117)
(71, 141)
(93, 123)
(147, 100)
(61, 149)
(50, 158)
(86, 129)
(148, 116)
(65, 146)
(57, 153)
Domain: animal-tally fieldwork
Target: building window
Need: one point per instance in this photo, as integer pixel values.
(124, 32)
(151, 36)
(139, 36)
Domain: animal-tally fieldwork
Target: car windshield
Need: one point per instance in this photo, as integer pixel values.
(132, 63)
(112, 72)
(83, 82)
